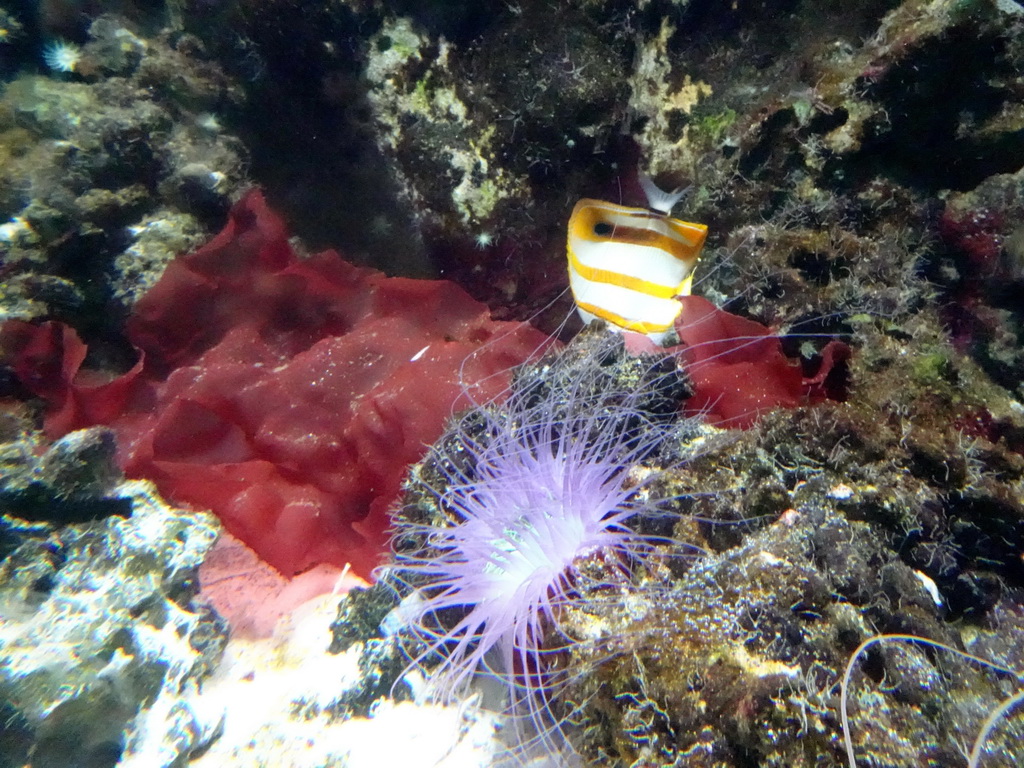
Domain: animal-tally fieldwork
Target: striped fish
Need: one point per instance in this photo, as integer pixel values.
(626, 265)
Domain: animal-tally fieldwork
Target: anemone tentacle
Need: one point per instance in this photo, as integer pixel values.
(543, 483)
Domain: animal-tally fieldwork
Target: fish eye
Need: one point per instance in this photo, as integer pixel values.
(603, 229)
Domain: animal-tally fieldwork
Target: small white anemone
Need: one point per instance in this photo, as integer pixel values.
(62, 56)
(483, 240)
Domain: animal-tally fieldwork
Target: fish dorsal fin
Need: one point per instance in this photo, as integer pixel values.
(658, 199)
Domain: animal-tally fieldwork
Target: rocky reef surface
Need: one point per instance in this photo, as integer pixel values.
(109, 170)
(860, 170)
(103, 648)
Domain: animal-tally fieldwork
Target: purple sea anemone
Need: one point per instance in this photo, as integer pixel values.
(524, 509)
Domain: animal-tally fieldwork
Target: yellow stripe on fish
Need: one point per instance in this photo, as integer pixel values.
(627, 265)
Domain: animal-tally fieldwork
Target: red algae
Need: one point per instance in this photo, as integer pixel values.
(286, 395)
